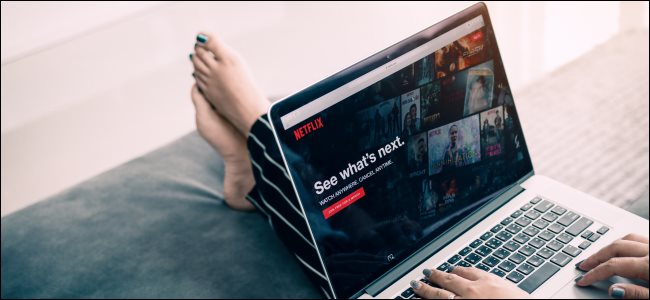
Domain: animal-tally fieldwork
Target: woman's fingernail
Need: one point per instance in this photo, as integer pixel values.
(451, 268)
(196, 45)
(578, 278)
(415, 284)
(618, 292)
(194, 74)
(427, 272)
(190, 56)
(202, 39)
(578, 265)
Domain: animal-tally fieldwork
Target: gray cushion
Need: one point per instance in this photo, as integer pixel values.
(154, 227)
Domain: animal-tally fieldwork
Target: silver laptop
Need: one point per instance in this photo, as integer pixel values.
(415, 158)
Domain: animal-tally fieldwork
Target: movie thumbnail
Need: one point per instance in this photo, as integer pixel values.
(424, 70)
(379, 124)
(411, 122)
(454, 145)
(428, 198)
(431, 106)
(492, 125)
(480, 84)
(417, 154)
(462, 53)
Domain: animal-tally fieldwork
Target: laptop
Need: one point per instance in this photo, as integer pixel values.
(415, 158)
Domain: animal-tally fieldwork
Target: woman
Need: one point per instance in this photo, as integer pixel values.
(237, 128)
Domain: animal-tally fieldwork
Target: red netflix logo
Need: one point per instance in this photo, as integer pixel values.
(308, 128)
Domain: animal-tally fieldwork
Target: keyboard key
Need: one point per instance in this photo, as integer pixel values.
(550, 217)
(584, 245)
(564, 238)
(526, 206)
(507, 221)
(463, 263)
(535, 200)
(545, 253)
(483, 267)
(512, 246)
(521, 238)
(507, 266)
(537, 243)
(532, 231)
(579, 226)
(541, 224)
(586, 234)
(546, 235)
(603, 230)
(498, 272)
(532, 214)
(483, 250)
(525, 269)
(513, 228)
(454, 259)
(573, 251)
(408, 293)
(535, 261)
(487, 235)
(523, 222)
(517, 258)
(544, 206)
(398, 297)
(444, 267)
(501, 253)
(515, 277)
(476, 243)
(516, 214)
(538, 277)
(555, 228)
(527, 250)
(473, 258)
(504, 235)
(496, 228)
(561, 259)
(491, 261)
(555, 245)
(569, 218)
(465, 251)
(594, 237)
(494, 243)
(558, 210)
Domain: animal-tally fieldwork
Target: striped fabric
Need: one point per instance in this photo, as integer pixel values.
(274, 197)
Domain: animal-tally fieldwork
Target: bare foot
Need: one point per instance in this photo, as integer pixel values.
(218, 132)
(226, 83)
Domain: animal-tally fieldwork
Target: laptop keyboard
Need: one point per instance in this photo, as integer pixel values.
(528, 247)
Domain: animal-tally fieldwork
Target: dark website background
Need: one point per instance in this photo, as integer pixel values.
(460, 90)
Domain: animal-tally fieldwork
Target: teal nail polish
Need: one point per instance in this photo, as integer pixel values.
(578, 278)
(190, 56)
(427, 272)
(618, 292)
(450, 269)
(415, 284)
(196, 45)
(578, 265)
(202, 39)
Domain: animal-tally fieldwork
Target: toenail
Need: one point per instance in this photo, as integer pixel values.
(202, 39)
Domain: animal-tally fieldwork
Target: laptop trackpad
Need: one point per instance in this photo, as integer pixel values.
(598, 290)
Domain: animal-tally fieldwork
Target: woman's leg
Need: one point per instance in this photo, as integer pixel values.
(239, 112)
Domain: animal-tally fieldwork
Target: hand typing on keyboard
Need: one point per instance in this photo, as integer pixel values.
(470, 283)
(627, 257)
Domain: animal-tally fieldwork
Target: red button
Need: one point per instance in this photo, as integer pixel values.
(343, 203)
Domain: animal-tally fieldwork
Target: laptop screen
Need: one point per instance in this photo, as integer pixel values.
(388, 161)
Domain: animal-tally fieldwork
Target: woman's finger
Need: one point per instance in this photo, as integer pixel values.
(426, 291)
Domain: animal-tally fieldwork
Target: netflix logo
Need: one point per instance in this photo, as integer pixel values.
(308, 128)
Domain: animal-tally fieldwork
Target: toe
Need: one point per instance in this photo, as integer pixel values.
(214, 45)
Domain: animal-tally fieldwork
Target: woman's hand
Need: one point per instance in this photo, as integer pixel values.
(468, 283)
(627, 257)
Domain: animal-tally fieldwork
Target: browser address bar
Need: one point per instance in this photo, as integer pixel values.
(312, 108)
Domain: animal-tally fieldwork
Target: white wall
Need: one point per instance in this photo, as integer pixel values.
(86, 86)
